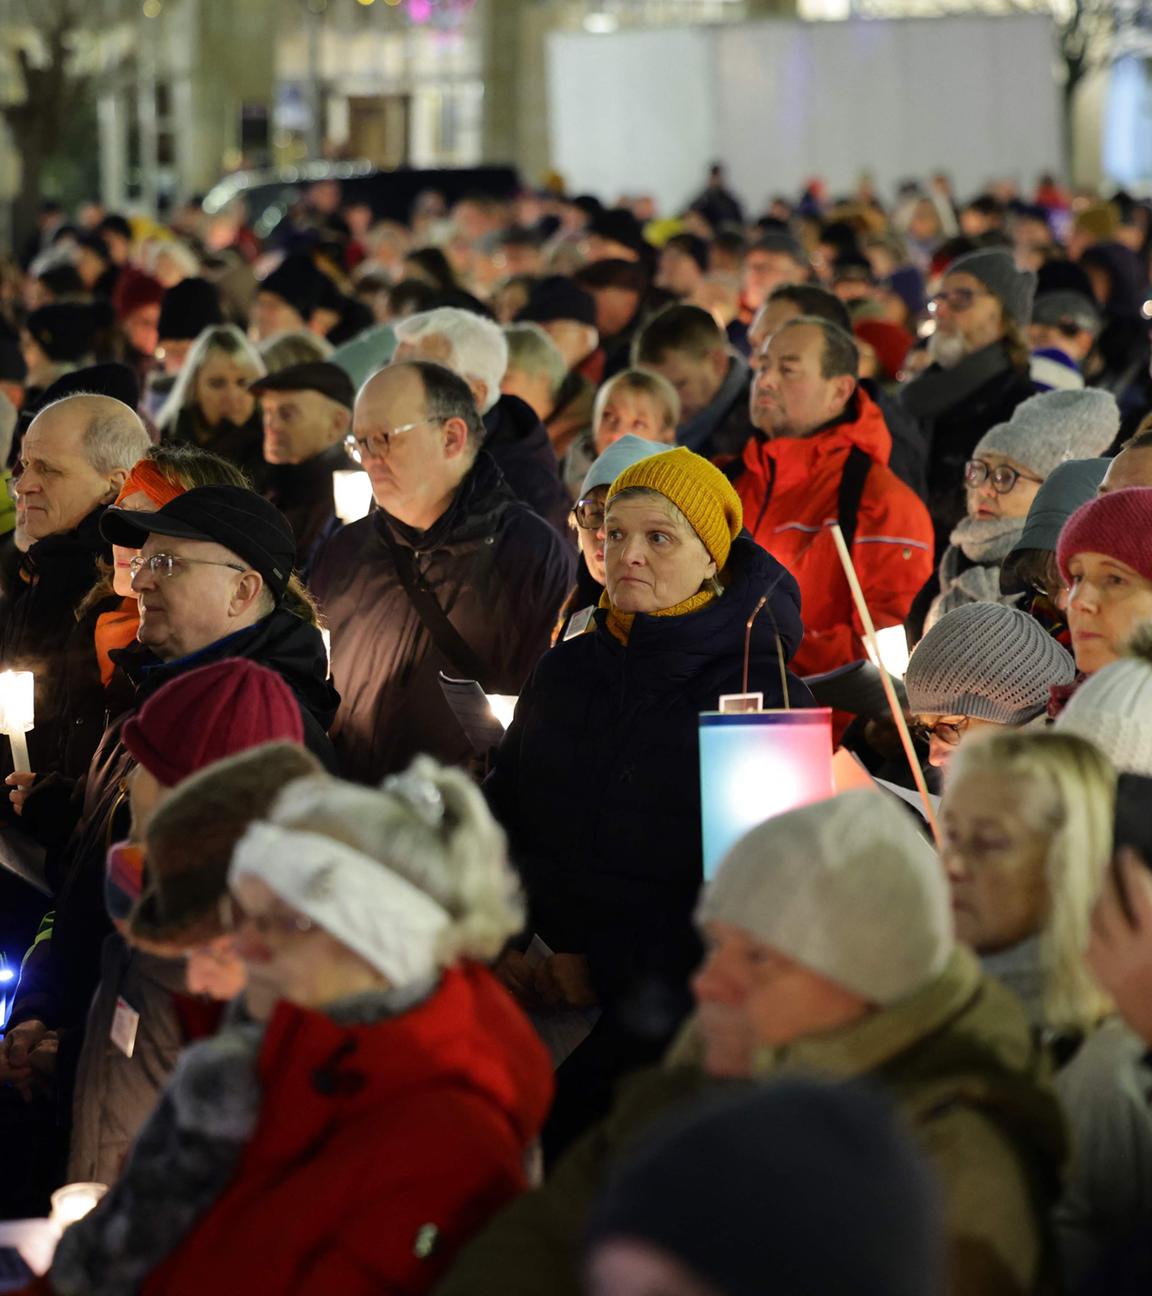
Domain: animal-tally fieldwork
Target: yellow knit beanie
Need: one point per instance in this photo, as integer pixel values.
(698, 489)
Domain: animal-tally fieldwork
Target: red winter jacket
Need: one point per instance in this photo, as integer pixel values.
(790, 491)
(379, 1150)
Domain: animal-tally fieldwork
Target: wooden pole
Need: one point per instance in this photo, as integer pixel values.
(889, 691)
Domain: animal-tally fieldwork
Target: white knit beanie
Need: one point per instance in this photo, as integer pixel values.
(848, 888)
(1047, 430)
(1113, 708)
(989, 661)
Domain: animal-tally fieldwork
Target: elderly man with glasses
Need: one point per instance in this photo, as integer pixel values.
(451, 573)
(214, 579)
(979, 372)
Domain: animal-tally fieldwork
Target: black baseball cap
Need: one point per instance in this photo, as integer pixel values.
(232, 516)
(312, 375)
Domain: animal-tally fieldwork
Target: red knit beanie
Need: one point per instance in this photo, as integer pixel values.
(212, 712)
(133, 290)
(1118, 524)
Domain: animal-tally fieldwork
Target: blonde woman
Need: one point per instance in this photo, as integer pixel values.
(1027, 822)
(210, 405)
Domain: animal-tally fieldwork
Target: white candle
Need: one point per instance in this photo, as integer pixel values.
(74, 1201)
(352, 490)
(502, 706)
(17, 713)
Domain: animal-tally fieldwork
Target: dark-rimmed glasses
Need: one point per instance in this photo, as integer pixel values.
(589, 513)
(947, 731)
(1003, 477)
(956, 299)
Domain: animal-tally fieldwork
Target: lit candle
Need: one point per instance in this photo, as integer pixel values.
(352, 490)
(502, 706)
(17, 714)
(74, 1201)
(892, 648)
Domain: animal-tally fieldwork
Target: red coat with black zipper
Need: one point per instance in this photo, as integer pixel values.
(790, 489)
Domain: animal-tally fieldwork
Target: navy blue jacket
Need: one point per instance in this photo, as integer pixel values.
(597, 781)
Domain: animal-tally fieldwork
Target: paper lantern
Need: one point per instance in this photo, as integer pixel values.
(756, 765)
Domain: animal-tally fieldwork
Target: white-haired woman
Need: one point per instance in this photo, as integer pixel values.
(1027, 826)
(210, 405)
(379, 1106)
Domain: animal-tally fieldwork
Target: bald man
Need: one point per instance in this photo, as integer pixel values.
(74, 458)
(451, 573)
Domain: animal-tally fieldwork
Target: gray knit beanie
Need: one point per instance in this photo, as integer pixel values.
(1048, 430)
(997, 271)
(1113, 708)
(989, 661)
(848, 888)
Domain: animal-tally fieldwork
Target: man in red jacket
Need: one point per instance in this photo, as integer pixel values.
(821, 456)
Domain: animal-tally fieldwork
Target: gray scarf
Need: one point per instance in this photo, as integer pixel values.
(187, 1153)
(986, 542)
(938, 389)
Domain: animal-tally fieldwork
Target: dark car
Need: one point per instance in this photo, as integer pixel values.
(270, 194)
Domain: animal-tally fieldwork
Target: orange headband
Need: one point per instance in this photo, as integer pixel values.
(146, 477)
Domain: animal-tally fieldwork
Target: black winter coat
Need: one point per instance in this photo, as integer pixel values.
(304, 493)
(597, 781)
(519, 443)
(39, 632)
(498, 571)
(60, 974)
(952, 436)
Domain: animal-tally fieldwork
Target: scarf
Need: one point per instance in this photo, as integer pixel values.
(937, 389)
(115, 629)
(987, 540)
(620, 623)
(1022, 971)
(984, 542)
(187, 1153)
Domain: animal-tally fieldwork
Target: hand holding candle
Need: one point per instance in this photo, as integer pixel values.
(17, 714)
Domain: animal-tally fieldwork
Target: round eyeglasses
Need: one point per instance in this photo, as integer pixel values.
(1003, 477)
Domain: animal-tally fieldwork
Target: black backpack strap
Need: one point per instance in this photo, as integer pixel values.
(452, 645)
(856, 469)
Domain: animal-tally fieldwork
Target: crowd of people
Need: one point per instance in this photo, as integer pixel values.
(327, 989)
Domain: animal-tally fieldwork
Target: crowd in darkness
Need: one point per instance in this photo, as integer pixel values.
(327, 988)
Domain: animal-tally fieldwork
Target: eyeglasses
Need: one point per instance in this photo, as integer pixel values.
(376, 444)
(232, 918)
(948, 733)
(956, 299)
(589, 513)
(163, 564)
(1002, 477)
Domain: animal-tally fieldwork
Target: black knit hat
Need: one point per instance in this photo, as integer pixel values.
(618, 226)
(298, 282)
(558, 298)
(188, 308)
(65, 331)
(232, 516)
(115, 380)
(799, 1187)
